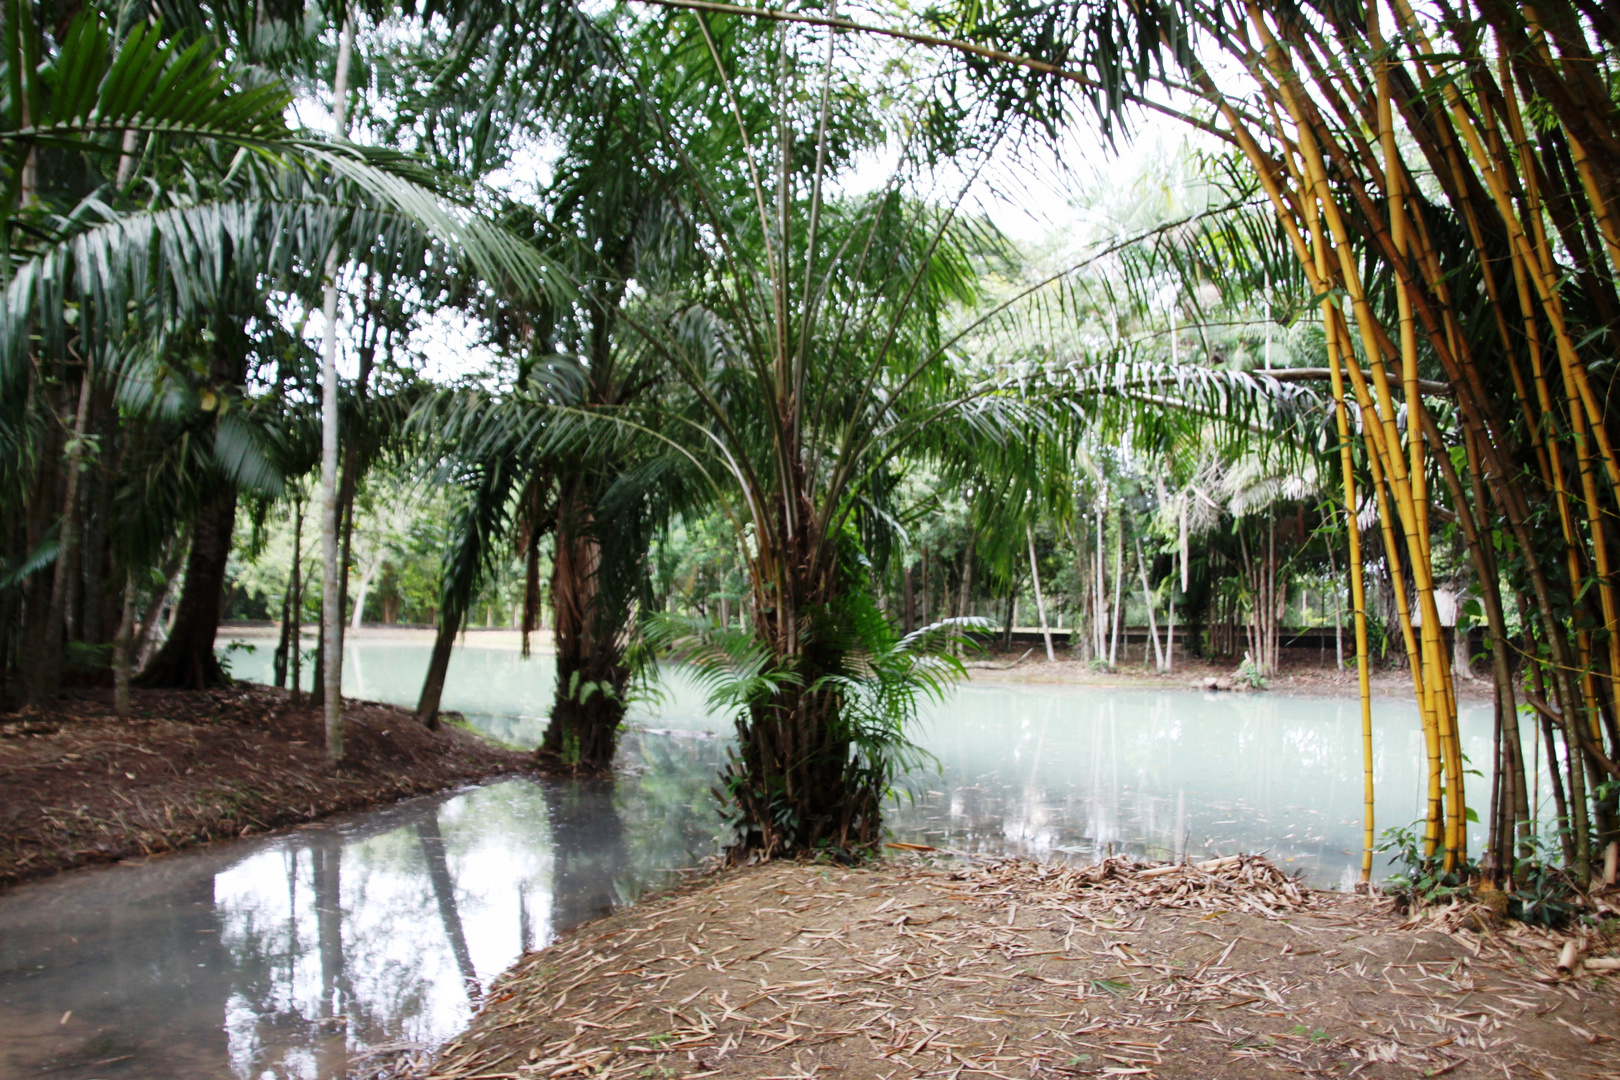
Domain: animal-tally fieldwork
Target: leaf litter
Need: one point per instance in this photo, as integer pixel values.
(79, 785)
(932, 967)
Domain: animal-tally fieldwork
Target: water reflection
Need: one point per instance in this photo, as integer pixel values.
(1053, 771)
(286, 957)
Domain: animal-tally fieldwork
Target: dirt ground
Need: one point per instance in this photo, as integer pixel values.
(1013, 970)
(79, 785)
(1301, 672)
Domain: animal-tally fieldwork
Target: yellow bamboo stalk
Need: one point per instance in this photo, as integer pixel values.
(1436, 668)
(1286, 209)
(1358, 592)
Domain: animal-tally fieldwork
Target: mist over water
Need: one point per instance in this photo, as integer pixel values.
(294, 955)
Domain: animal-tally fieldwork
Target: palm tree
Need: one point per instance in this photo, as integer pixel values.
(120, 250)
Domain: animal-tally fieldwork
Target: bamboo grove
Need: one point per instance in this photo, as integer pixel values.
(1446, 181)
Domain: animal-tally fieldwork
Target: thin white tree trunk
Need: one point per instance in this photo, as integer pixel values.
(1118, 614)
(1099, 627)
(1040, 603)
(1147, 598)
(1170, 631)
(360, 600)
(331, 590)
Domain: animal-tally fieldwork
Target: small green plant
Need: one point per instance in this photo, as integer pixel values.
(1423, 878)
(1249, 674)
(1543, 895)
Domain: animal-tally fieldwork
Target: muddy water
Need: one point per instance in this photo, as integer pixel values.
(296, 955)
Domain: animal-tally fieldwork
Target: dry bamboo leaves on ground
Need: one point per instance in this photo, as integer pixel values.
(1229, 968)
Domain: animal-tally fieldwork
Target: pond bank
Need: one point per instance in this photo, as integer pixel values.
(912, 969)
(1301, 672)
(83, 786)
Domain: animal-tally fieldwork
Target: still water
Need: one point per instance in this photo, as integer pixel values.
(295, 955)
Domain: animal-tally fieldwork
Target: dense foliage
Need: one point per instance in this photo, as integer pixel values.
(685, 330)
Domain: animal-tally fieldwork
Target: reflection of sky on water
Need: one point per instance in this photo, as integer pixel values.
(286, 956)
(312, 927)
(1048, 770)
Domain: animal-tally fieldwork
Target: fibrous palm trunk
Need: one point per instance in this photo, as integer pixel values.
(588, 707)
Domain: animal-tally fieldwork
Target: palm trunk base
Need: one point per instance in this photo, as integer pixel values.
(583, 737)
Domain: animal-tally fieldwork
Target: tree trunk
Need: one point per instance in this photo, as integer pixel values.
(295, 586)
(1118, 614)
(123, 641)
(331, 580)
(278, 660)
(1170, 630)
(187, 661)
(67, 554)
(1147, 598)
(591, 675)
(909, 598)
(1040, 602)
(169, 576)
(427, 706)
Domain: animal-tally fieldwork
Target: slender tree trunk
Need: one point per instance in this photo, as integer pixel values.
(123, 642)
(427, 706)
(187, 661)
(97, 561)
(1118, 614)
(1147, 598)
(909, 600)
(922, 597)
(296, 585)
(67, 552)
(1170, 631)
(278, 662)
(169, 578)
(331, 583)
(360, 600)
(1040, 602)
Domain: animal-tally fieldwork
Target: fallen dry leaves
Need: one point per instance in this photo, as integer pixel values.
(925, 968)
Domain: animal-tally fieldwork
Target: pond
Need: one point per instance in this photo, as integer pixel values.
(296, 954)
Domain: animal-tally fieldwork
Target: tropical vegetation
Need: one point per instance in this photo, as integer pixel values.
(691, 333)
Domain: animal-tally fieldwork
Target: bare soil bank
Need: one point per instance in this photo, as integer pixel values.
(1301, 673)
(78, 785)
(1017, 970)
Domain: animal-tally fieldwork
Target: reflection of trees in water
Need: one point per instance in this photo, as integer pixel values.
(668, 812)
(588, 850)
(444, 896)
(321, 950)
